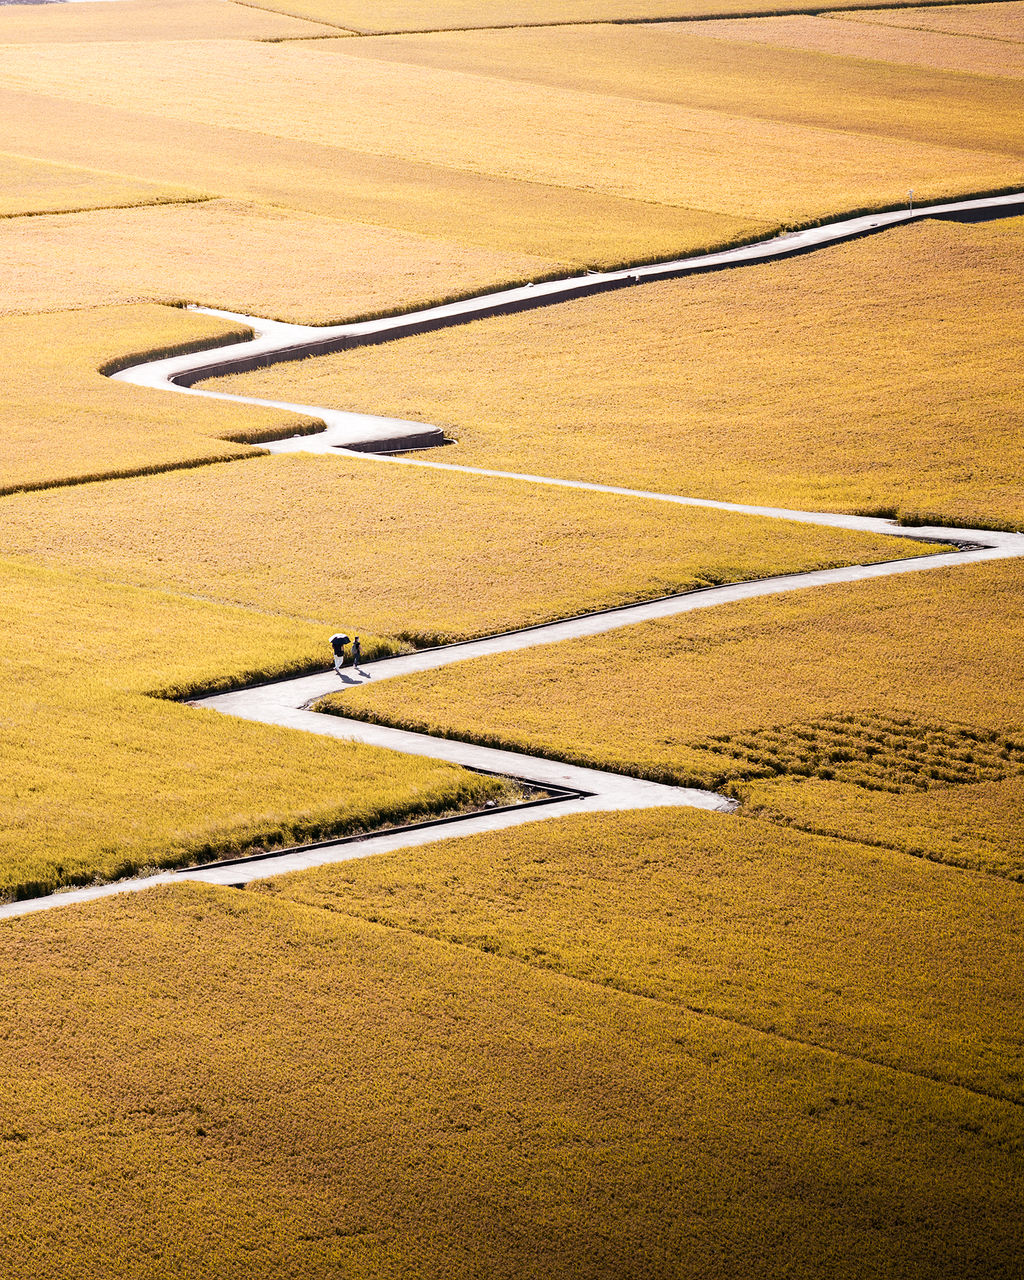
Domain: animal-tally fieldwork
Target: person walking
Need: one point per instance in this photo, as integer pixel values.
(357, 653)
(338, 643)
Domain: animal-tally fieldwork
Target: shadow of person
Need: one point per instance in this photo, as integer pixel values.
(348, 679)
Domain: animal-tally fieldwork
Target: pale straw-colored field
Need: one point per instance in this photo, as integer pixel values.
(892, 48)
(239, 256)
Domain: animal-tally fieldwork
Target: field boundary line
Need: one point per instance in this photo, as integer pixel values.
(798, 12)
(695, 1011)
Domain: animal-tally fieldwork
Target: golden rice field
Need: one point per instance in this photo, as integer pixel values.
(100, 780)
(1003, 22)
(241, 256)
(30, 186)
(405, 551)
(472, 209)
(847, 393)
(690, 65)
(894, 47)
(242, 1083)
(691, 157)
(150, 20)
(427, 15)
(735, 692)
(977, 824)
(873, 955)
(64, 422)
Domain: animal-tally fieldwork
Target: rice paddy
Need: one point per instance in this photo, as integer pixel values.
(651, 1045)
(100, 781)
(782, 931)
(240, 256)
(65, 423)
(241, 1082)
(321, 538)
(890, 39)
(694, 386)
(743, 692)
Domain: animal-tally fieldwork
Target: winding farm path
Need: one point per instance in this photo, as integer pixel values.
(574, 789)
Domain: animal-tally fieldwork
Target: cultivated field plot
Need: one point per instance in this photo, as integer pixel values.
(621, 147)
(754, 80)
(150, 20)
(100, 781)
(427, 15)
(243, 257)
(283, 1090)
(407, 552)
(64, 422)
(35, 186)
(959, 38)
(846, 392)
(882, 957)
(885, 686)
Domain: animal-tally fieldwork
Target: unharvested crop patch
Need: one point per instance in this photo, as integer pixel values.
(275, 1089)
(689, 157)
(890, 48)
(869, 954)
(30, 186)
(240, 256)
(64, 422)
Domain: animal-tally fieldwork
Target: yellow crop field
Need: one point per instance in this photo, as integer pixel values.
(898, 46)
(242, 257)
(655, 387)
(246, 1085)
(1003, 22)
(64, 422)
(100, 780)
(778, 930)
(427, 15)
(472, 209)
(753, 80)
(403, 551)
(30, 186)
(150, 20)
(977, 824)
(884, 684)
(695, 158)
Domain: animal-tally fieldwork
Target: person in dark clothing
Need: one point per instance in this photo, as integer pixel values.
(357, 653)
(338, 643)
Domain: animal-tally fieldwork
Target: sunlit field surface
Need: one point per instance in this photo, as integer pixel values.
(885, 685)
(1003, 22)
(687, 65)
(35, 186)
(240, 256)
(149, 20)
(693, 157)
(951, 38)
(427, 15)
(894, 960)
(830, 382)
(100, 780)
(64, 422)
(404, 551)
(242, 1084)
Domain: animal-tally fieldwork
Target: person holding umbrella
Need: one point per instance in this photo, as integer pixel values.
(338, 643)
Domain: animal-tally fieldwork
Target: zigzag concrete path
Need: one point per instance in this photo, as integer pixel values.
(286, 703)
